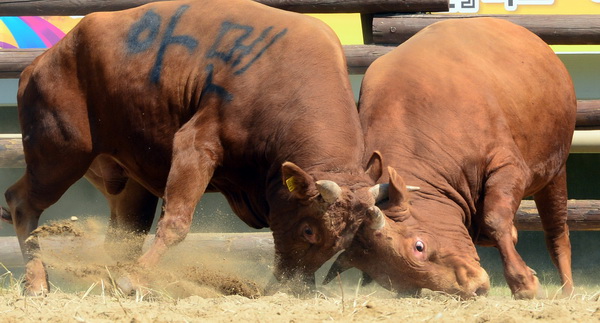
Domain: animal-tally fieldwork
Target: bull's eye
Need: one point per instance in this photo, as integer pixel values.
(309, 234)
(419, 246)
(308, 231)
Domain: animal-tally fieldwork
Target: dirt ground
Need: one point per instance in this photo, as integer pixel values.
(222, 280)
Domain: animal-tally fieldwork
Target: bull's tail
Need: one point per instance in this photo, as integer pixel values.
(5, 215)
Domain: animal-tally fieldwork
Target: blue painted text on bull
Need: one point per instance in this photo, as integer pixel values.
(151, 22)
(232, 46)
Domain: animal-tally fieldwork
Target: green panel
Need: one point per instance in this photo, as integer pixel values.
(585, 71)
(9, 119)
(8, 91)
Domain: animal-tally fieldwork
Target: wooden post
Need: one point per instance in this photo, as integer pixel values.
(553, 29)
(83, 7)
(366, 22)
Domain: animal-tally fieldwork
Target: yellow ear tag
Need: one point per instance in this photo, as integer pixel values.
(290, 184)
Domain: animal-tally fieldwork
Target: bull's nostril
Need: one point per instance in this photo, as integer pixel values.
(484, 284)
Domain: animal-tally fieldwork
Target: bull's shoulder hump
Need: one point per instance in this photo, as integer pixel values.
(485, 29)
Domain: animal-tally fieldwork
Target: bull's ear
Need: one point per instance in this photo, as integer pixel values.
(398, 193)
(374, 167)
(297, 181)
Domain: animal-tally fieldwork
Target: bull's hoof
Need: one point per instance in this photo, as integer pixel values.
(126, 286)
(567, 291)
(36, 278)
(534, 292)
(130, 283)
(35, 289)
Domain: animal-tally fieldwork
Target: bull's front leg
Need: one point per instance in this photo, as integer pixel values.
(194, 160)
(503, 192)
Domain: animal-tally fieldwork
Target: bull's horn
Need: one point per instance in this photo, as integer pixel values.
(340, 265)
(377, 217)
(380, 192)
(329, 190)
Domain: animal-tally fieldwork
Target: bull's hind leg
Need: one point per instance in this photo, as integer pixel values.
(44, 182)
(551, 203)
(503, 192)
(132, 214)
(132, 208)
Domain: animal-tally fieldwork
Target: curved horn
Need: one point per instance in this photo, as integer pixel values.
(380, 192)
(340, 265)
(377, 217)
(329, 190)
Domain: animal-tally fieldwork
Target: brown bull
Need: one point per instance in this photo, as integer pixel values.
(132, 208)
(182, 97)
(478, 113)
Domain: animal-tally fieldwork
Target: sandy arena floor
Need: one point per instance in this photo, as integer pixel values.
(224, 282)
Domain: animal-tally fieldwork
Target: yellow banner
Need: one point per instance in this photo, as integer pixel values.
(346, 26)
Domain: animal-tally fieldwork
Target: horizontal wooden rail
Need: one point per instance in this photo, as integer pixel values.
(553, 29)
(14, 61)
(83, 7)
(359, 57)
(584, 215)
(11, 147)
(588, 115)
(250, 246)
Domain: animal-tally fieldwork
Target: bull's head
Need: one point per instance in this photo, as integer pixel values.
(409, 245)
(317, 216)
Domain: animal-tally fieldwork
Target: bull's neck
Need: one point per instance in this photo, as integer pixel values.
(440, 195)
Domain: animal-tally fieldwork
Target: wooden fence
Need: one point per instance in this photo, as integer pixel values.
(83, 7)
(386, 23)
(553, 29)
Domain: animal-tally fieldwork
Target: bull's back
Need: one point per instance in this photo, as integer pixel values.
(464, 90)
(129, 80)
